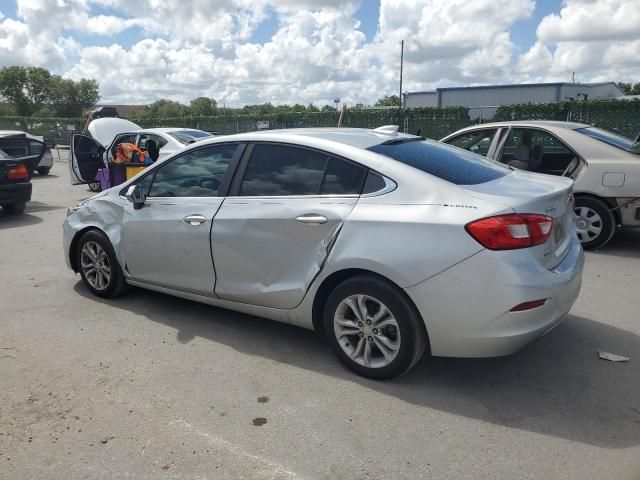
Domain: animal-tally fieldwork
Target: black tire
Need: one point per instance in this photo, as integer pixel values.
(43, 170)
(412, 332)
(595, 207)
(14, 208)
(117, 284)
(95, 187)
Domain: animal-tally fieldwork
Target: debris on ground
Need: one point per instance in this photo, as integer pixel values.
(612, 357)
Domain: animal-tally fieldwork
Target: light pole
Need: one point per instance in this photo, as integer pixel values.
(401, 65)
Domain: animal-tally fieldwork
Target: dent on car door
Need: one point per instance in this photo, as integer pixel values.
(86, 159)
(167, 241)
(271, 239)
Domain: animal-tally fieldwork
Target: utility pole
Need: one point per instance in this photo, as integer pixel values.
(401, 65)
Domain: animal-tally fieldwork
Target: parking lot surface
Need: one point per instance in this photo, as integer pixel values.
(149, 386)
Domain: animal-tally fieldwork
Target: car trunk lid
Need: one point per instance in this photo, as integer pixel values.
(104, 130)
(526, 192)
(18, 148)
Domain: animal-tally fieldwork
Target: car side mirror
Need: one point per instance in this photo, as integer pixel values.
(136, 196)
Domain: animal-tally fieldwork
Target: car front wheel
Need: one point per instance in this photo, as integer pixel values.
(373, 328)
(595, 223)
(99, 266)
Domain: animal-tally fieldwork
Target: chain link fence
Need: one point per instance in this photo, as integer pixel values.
(619, 116)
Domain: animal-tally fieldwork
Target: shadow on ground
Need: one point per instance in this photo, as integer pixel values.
(22, 220)
(34, 206)
(37, 176)
(557, 386)
(625, 243)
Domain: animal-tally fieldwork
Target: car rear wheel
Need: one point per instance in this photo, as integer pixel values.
(95, 187)
(373, 328)
(99, 266)
(595, 223)
(14, 208)
(43, 170)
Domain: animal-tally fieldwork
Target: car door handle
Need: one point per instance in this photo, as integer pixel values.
(194, 219)
(312, 219)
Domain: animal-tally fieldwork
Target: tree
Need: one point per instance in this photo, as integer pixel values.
(203, 107)
(166, 108)
(26, 88)
(45, 111)
(630, 89)
(328, 108)
(312, 108)
(71, 99)
(388, 101)
(34, 89)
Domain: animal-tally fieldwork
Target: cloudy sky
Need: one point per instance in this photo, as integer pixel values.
(286, 51)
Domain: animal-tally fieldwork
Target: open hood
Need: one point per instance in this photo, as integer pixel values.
(104, 130)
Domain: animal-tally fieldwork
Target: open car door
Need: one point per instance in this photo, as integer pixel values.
(86, 158)
(22, 149)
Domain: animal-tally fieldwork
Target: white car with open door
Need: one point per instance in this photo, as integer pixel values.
(90, 152)
(605, 167)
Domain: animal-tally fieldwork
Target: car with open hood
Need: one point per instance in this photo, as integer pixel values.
(605, 167)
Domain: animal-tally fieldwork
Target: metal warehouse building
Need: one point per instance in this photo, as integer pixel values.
(496, 95)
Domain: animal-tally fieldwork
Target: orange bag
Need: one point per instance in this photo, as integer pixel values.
(129, 153)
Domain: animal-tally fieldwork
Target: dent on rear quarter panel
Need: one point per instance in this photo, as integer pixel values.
(405, 243)
(104, 214)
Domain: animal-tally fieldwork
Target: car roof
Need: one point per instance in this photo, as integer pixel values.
(169, 129)
(532, 123)
(9, 133)
(355, 137)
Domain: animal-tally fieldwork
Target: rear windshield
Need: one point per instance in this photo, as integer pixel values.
(444, 161)
(189, 136)
(613, 139)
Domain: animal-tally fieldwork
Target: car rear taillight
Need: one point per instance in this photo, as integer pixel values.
(47, 149)
(507, 232)
(17, 173)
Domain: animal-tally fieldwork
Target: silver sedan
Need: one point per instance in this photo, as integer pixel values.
(388, 244)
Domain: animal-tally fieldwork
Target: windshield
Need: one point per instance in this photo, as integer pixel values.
(443, 161)
(189, 136)
(613, 139)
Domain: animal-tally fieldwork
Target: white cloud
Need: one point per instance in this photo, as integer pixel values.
(318, 50)
(599, 40)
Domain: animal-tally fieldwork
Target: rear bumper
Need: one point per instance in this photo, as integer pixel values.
(467, 308)
(15, 193)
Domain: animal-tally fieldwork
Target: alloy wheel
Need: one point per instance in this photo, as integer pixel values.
(366, 331)
(95, 265)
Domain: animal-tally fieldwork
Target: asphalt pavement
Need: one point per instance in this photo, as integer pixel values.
(151, 387)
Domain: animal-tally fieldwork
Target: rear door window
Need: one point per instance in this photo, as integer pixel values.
(277, 170)
(442, 161)
(537, 151)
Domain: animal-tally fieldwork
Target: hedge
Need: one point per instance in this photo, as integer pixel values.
(619, 116)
